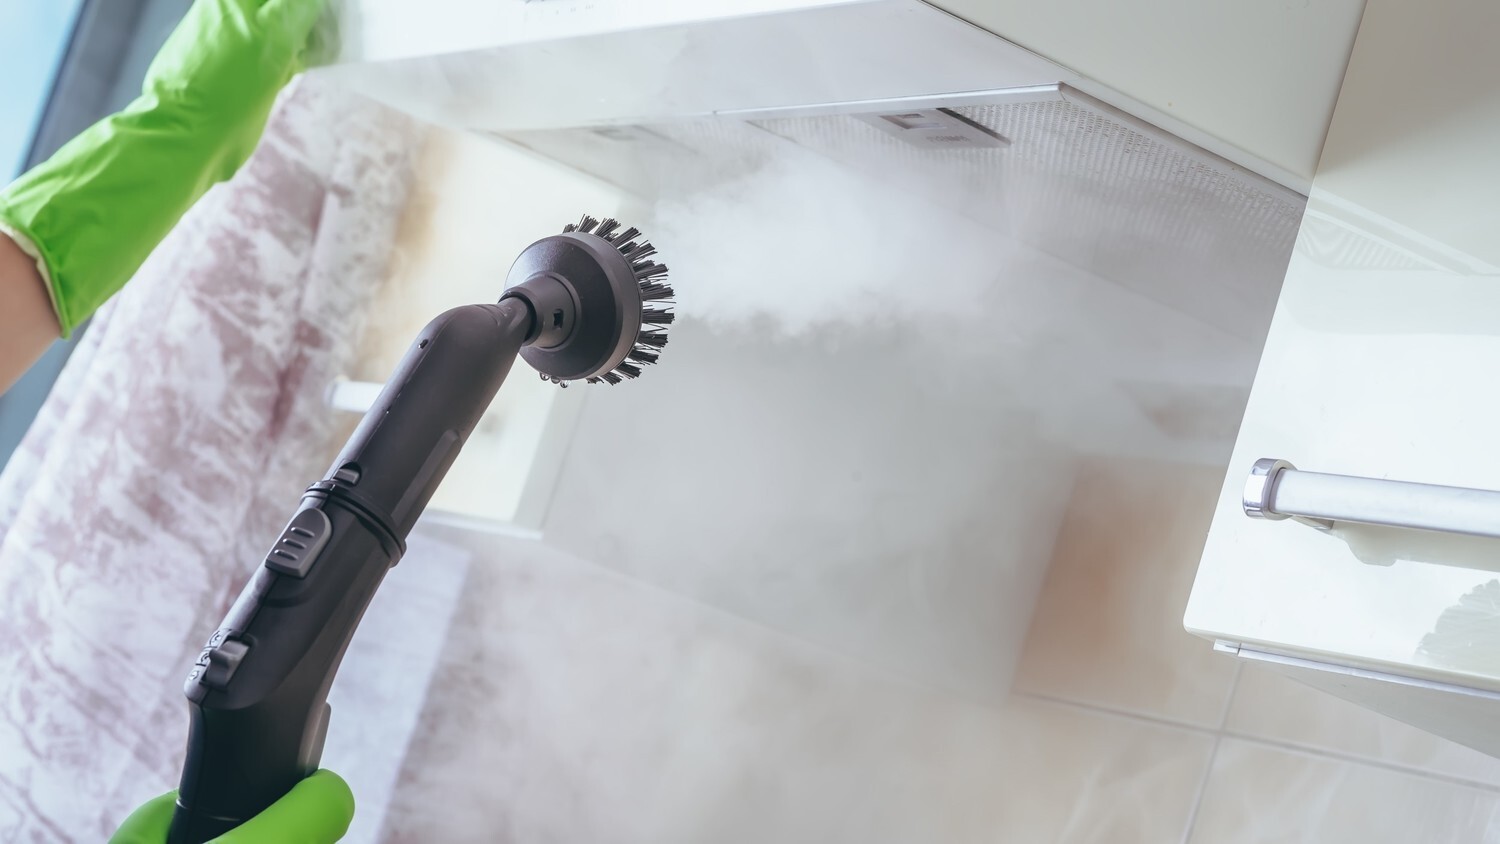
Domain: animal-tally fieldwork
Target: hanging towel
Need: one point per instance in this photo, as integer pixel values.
(172, 449)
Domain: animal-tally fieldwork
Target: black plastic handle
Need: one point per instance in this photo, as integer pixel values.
(258, 697)
(258, 693)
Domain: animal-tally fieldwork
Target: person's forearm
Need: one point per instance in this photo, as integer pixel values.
(28, 324)
(97, 207)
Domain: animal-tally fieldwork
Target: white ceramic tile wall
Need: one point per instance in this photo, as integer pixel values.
(581, 705)
(1264, 794)
(1108, 629)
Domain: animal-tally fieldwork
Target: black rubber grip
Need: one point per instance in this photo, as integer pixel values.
(260, 714)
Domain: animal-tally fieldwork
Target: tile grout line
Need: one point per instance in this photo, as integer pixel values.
(1154, 720)
(1234, 688)
(1208, 770)
(1213, 753)
(1215, 735)
(1353, 759)
(1287, 746)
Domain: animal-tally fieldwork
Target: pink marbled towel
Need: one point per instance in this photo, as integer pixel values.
(177, 441)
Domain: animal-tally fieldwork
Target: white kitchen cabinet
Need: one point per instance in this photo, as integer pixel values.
(1380, 363)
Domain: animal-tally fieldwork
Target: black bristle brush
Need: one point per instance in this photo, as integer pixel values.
(652, 287)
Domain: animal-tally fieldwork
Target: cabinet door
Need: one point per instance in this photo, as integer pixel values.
(1382, 362)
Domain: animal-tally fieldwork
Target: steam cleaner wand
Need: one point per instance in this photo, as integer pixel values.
(590, 304)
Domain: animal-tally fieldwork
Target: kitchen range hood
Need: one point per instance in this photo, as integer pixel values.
(502, 65)
(970, 270)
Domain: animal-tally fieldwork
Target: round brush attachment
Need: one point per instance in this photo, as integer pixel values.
(602, 303)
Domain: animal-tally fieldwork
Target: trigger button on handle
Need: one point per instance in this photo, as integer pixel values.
(223, 661)
(297, 550)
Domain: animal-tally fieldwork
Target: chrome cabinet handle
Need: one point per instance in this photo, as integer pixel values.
(1277, 490)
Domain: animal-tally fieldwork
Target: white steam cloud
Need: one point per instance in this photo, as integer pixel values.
(803, 243)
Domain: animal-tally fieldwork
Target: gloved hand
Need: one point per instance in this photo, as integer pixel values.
(317, 811)
(92, 213)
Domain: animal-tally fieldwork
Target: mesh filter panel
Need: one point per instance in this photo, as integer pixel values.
(1167, 220)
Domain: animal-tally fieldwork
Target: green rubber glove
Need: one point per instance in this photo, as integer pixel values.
(92, 213)
(317, 811)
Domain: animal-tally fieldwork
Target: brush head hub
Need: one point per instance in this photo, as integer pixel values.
(601, 304)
